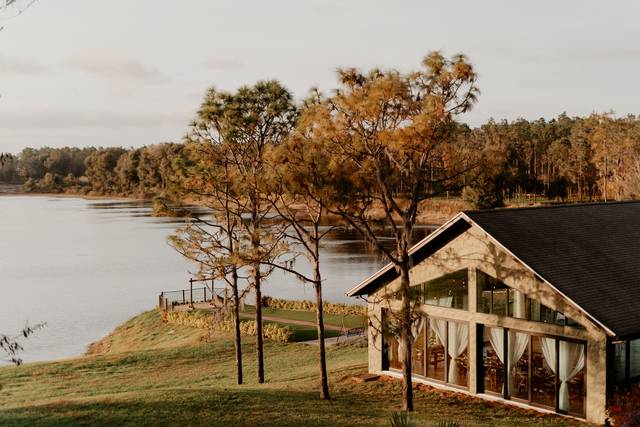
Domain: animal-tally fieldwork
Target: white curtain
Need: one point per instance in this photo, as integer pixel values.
(571, 361)
(458, 341)
(445, 301)
(518, 343)
(549, 352)
(416, 328)
(496, 338)
(519, 304)
(440, 328)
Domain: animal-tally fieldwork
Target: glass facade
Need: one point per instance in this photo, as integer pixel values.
(450, 290)
(519, 372)
(436, 351)
(440, 351)
(419, 350)
(620, 355)
(619, 361)
(540, 370)
(492, 357)
(447, 351)
(457, 353)
(543, 373)
(494, 297)
(634, 353)
(546, 371)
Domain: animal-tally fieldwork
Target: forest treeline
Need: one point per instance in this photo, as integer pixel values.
(565, 158)
(116, 171)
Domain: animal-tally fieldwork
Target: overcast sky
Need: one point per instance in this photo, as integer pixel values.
(130, 73)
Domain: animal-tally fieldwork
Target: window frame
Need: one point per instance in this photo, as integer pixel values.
(423, 287)
(567, 321)
(506, 395)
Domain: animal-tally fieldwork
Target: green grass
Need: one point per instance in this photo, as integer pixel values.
(180, 376)
(306, 333)
(350, 321)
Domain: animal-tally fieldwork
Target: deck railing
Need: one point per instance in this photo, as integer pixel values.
(167, 300)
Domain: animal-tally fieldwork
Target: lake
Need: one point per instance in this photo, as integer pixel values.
(86, 266)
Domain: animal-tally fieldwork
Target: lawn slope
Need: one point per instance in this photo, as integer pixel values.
(150, 373)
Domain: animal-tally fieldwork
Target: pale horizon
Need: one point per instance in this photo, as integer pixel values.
(129, 74)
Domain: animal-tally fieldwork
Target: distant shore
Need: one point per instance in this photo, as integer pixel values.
(17, 190)
(435, 212)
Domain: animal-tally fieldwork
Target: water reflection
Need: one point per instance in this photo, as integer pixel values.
(86, 266)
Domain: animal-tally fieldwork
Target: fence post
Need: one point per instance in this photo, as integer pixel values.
(160, 300)
(184, 300)
(205, 292)
(191, 293)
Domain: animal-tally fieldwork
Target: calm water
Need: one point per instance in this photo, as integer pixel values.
(86, 266)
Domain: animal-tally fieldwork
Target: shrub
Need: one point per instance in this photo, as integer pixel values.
(204, 320)
(624, 407)
(303, 305)
(401, 419)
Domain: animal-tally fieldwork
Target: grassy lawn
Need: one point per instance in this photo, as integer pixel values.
(306, 333)
(350, 321)
(183, 376)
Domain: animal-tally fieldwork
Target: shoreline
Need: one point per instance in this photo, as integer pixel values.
(72, 196)
(441, 211)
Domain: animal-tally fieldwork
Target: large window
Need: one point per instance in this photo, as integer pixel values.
(436, 351)
(492, 356)
(448, 291)
(457, 353)
(634, 353)
(620, 361)
(544, 377)
(543, 370)
(540, 312)
(440, 350)
(626, 362)
(494, 297)
(447, 351)
(419, 350)
(519, 372)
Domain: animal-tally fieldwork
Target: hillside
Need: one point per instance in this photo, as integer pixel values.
(150, 373)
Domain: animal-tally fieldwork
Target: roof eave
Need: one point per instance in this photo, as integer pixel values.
(388, 267)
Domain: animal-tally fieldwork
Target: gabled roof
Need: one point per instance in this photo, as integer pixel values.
(590, 253)
(421, 250)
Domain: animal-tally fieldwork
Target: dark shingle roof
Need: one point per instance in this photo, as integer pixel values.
(589, 252)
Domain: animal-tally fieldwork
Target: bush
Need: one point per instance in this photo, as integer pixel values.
(203, 320)
(624, 407)
(401, 419)
(327, 307)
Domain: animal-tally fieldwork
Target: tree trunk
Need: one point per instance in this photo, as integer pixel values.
(405, 336)
(259, 345)
(236, 320)
(324, 382)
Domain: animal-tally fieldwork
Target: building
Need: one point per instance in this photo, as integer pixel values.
(534, 306)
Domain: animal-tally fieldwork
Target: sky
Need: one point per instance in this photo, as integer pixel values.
(132, 73)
